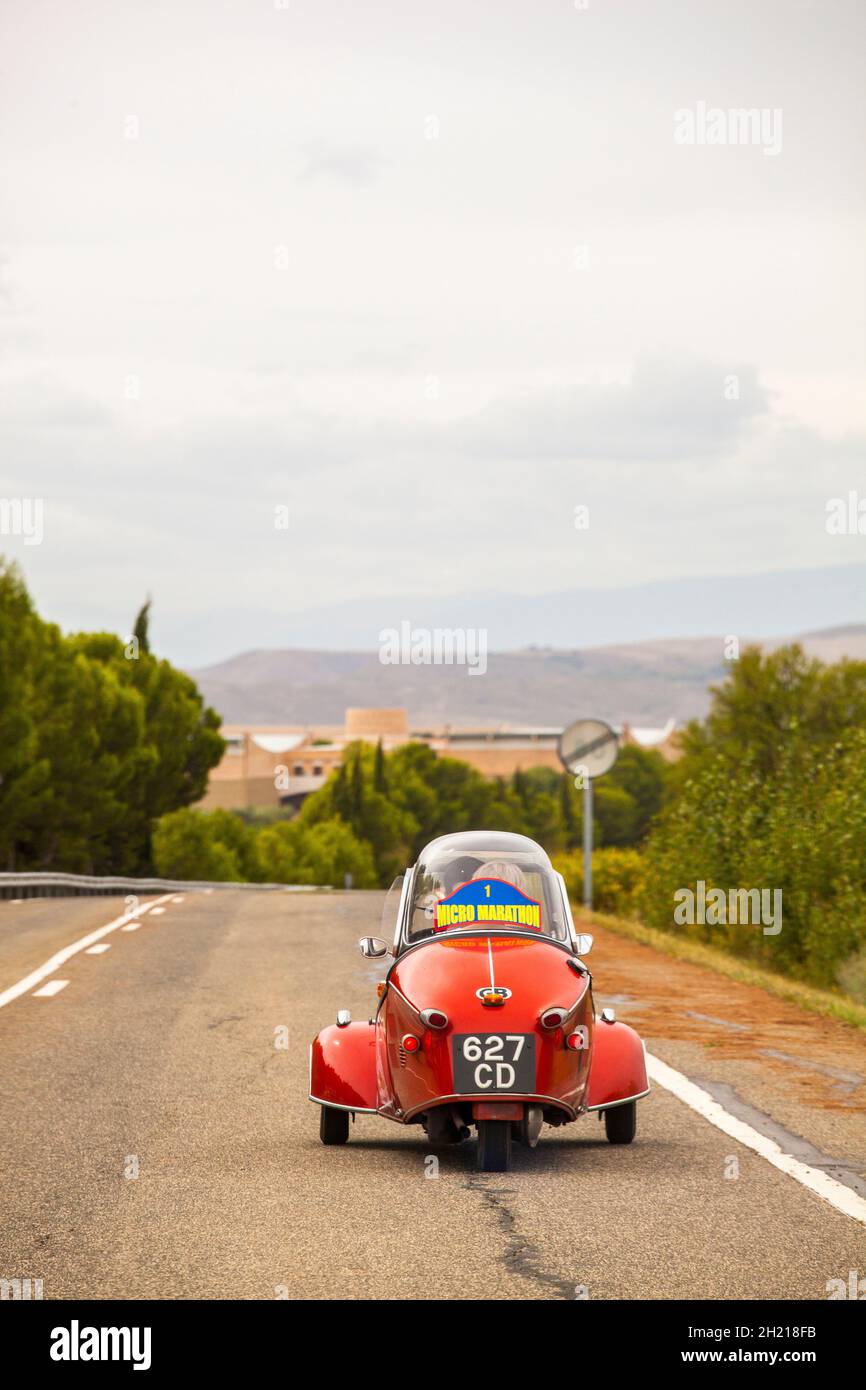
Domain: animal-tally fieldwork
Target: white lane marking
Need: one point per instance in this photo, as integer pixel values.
(60, 957)
(157, 911)
(131, 926)
(490, 958)
(53, 987)
(98, 950)
(178, 899)
(843, 1198)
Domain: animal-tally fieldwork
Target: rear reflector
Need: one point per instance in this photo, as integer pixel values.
(434, 1018)
(553, 1018)
(410, 1043)
(497, 1110)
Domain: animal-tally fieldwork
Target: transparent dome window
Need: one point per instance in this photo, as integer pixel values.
(491, 886)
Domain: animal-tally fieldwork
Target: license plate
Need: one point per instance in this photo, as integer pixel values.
(494, 1062)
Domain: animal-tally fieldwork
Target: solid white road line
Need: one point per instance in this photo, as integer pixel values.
(843, 1198)
(98, 950)
(60, 957)
(53, 987)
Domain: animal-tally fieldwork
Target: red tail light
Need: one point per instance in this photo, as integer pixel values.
(410, 1043)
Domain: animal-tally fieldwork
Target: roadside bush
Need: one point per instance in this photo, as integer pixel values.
(186, 845)
(220, 845)
(320, 853)
(617, 879)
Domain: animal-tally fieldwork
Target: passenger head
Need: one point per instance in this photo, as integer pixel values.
(501, 868)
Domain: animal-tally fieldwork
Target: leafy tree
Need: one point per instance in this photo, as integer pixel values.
(615, 812)
(644, 775)
(771, 794)
(568, 811)
(186, 846)
(25, 772)
(180, 734)
(772, 701)
(322, 853)
(379, 820)
(93, 746)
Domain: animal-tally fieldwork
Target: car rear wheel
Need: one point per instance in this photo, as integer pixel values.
(494, 1146)
(333, 1125)
(620, 1123)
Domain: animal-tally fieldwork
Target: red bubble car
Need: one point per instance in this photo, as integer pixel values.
(485, 1016)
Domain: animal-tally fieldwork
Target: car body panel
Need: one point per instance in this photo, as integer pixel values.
(618, 1071)
(446, 974)
(343, 1067)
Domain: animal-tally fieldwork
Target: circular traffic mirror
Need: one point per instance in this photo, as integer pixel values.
(588, 745)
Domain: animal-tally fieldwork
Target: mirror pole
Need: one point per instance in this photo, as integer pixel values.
(587, 843)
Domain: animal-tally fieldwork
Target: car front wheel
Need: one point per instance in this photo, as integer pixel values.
(494, 1146)
(620, 1123)
(333, 1125)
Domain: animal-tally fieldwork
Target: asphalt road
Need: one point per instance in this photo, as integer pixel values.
(156, 1140)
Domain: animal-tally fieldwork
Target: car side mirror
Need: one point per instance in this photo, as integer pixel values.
(584, 943)
(373, 947)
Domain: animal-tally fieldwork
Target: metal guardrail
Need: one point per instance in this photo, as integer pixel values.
(48, 885)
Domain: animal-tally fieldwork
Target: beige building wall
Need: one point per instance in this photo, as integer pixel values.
(265, 763)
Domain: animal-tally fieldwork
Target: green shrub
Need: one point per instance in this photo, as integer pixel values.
(186, 845)
(320, 853)
(617, 879)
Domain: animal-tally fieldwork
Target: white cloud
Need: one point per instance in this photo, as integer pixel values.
(434, 380)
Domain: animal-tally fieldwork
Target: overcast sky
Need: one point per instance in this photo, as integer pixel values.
(429, 276)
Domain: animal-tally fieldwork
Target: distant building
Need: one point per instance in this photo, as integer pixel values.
(272, 765)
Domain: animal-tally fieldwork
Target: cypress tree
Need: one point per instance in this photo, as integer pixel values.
(380, 780)
(356, 789)
(141, 625)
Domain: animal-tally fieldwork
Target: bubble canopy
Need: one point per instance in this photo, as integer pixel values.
(485, 880)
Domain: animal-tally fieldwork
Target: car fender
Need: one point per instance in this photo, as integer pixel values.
(343, 1067)
(618, 1068)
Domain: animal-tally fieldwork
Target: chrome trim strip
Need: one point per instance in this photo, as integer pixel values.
(407, 1002)
(355, 1109)
(579, 1000)
(612, 1104)
(568, 915)
(408, 878)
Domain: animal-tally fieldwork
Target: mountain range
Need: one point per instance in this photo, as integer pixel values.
(642, 683)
